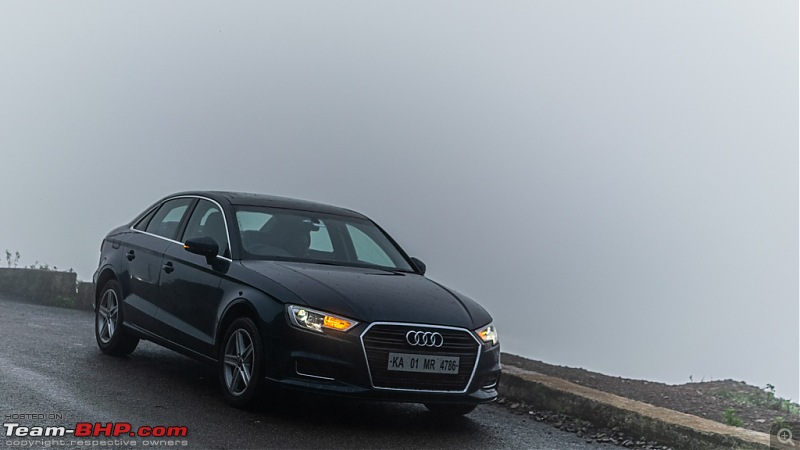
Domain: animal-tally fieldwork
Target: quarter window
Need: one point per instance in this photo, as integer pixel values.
(142, 224)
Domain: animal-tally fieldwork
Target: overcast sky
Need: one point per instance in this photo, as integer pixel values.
(616, 181)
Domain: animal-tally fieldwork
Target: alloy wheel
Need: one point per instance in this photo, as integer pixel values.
(239, 358)
(107, 313)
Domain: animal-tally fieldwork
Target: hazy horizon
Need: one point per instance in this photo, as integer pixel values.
(616, 181)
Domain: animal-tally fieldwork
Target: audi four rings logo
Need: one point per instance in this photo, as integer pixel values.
(424, 338)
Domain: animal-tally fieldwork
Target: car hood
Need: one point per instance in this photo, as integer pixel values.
(373, 295)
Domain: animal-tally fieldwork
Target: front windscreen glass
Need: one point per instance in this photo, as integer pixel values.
(291, 235)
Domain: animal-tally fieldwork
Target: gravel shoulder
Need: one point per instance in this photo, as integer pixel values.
(726, 401)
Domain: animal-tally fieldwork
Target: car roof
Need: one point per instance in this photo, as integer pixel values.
(272, 201)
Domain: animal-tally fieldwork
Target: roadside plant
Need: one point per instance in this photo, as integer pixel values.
(770, 389)
(779, 422)
(729, 417)
(765, 398)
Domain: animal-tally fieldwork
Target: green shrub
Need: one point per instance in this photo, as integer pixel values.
(729, 417)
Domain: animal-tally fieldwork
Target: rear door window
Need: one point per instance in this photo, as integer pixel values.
(167, 220)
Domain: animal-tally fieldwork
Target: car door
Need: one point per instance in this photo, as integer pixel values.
(190, 294)
(143, 252)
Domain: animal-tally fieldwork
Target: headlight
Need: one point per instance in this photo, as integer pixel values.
(309, 319)
(488, 334)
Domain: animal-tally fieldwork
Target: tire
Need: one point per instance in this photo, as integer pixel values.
(241, 363)
(451, 409)
(108, 331)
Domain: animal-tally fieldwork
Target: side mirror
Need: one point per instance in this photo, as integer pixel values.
(203, 246)
(420, 265)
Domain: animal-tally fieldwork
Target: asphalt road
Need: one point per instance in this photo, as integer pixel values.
(50, 365)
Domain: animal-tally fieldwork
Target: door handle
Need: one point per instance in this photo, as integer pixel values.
(168, 267)
(131, 255)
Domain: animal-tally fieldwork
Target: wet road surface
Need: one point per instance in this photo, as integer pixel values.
(50, 365)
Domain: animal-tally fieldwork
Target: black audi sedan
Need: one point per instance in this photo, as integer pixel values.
(294, 294)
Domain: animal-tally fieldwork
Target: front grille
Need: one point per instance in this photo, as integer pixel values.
(382, 339)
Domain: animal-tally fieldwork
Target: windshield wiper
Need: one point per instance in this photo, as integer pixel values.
(360, 266)
(325, 263)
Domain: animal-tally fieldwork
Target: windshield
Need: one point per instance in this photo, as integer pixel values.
(290, 235)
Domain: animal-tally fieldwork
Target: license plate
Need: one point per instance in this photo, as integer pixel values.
(406, 362)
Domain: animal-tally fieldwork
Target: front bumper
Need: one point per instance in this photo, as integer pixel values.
(336, 364)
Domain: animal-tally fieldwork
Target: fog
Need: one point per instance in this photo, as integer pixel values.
(615, 181)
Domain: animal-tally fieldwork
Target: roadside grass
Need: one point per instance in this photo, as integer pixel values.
(762, 398)
(729, 417)
(779, 422)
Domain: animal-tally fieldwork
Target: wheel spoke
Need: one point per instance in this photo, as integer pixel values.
(111, 328)
(245, 373)
(248, 352)
(103, 311)
(104, 330)
(234, 380)
(239, 342)
(231, 360)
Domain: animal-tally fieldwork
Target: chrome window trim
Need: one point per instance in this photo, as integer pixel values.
(221, 210)
(432, 391)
